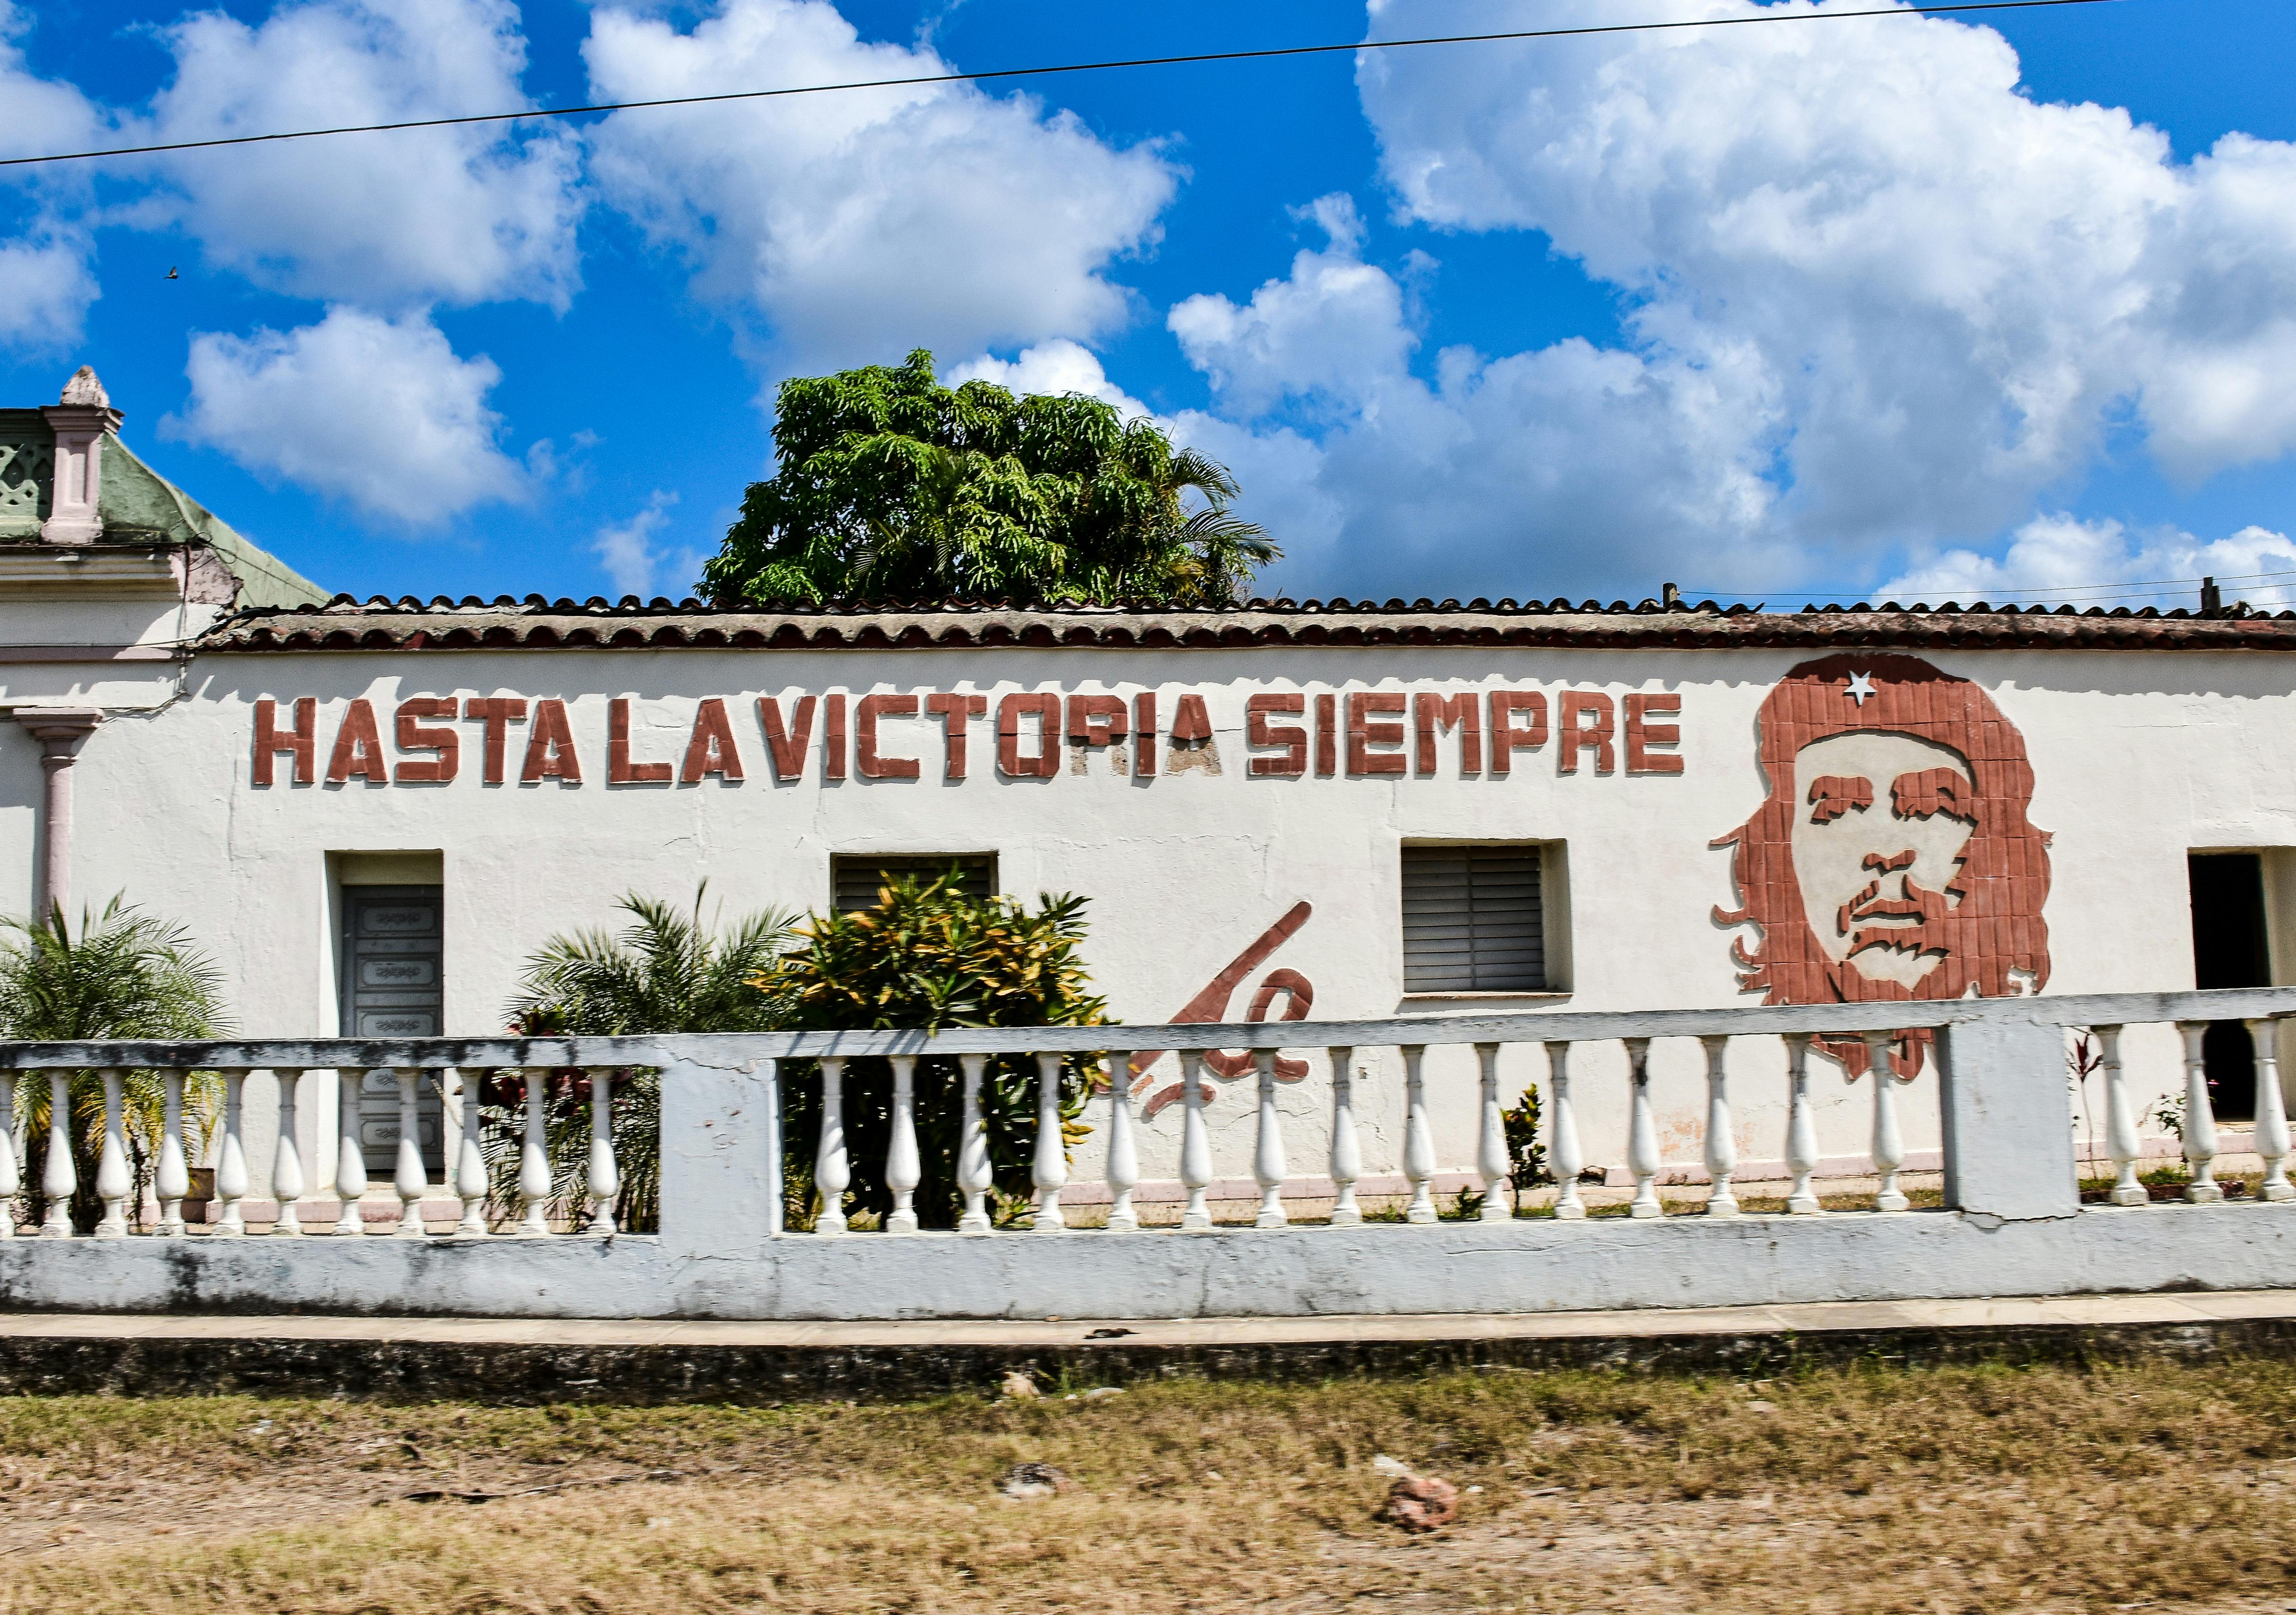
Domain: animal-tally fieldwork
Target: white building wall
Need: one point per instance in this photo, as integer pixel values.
(2139, 756)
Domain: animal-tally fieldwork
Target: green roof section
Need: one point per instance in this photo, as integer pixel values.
(138, 505)
(135, 505)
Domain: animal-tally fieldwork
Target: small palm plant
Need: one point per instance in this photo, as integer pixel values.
(667, 971)
(126, 974)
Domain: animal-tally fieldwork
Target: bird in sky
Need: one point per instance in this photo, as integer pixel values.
(171, 272)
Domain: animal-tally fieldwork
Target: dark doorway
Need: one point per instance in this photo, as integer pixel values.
(2229, 950)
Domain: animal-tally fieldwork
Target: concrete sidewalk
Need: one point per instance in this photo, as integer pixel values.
(521, 1360)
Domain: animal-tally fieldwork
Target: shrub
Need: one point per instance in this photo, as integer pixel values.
(1526, 1156)
(929, 956)
(127, 974)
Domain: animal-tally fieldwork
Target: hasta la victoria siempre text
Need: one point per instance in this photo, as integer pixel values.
(1358, 733)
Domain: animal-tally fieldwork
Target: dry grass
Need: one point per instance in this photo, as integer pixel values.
(1859, 1491)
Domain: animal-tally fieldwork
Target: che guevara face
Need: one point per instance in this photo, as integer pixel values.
(1881, 826)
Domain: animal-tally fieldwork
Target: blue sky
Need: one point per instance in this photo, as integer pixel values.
(1932, 307)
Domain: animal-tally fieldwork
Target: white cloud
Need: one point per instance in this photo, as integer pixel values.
(627, 552)
(1332, 333)
(852, 227)
(380, 412)
(2060, 559)
(44, 115)
(1925, 293)
(1057, 368)
(461, 216)
(46, 286)
(1477, 483)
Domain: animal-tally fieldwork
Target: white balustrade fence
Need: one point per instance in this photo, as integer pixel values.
(1995, 1114)
(516, 1215)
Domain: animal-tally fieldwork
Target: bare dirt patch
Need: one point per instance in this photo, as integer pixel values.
(1864, 1491)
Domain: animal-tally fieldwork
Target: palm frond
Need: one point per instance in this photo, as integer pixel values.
(123, 975)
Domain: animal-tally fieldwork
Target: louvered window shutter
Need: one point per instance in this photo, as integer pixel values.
(1470, 920)
(855, 878)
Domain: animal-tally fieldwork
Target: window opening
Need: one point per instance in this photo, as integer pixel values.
(1473, 920)
(855, 878)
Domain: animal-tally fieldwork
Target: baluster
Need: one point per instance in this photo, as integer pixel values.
(1418, 1139)
(973, 1178)
(412, 1179)
(534, 1159)
(11, 1174)
(1050, 1169)
(1346, 1155)
(1268, 1163)
(230, 1179)
(171, 1175)
(1195, 1146)
(1642, 1133)
(351, 1154)
(832, 1173)
(112, 1181)
(1801, 1129)
(605, 1182)
(1889, 1149)
(471, 1159)
(2200, 1117)
(1563, 1128)
(2119, 1121)
(1721, 1149)
(1490, 1138)
(286, 1161)
(903, 1172)
(2271, 1114)
(776, 1202)
(57, 1177)
(1123, 1155)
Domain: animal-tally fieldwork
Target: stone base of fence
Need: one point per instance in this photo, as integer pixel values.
(1522, 1266)
(555, 1361)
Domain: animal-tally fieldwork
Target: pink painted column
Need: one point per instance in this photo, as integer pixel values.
(81, 423)
(60, 730)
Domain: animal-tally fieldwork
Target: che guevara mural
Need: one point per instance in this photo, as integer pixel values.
(1893, 858)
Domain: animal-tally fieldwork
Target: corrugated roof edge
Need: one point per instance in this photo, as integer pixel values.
(471, 623)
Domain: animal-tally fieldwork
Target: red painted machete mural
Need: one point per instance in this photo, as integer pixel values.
(1212, 1004)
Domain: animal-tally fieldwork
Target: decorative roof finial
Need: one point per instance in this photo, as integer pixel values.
(86, 390)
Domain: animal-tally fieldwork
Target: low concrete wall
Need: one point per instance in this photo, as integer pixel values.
(1532, 1264)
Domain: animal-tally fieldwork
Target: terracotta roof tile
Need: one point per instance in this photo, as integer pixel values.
(344, 624)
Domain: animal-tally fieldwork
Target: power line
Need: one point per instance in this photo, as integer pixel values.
(1071, 67)
(2148, 586)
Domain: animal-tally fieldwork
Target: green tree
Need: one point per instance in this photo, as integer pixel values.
(127, 974)
(666, 972)
(929, 956)
(892, 487)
